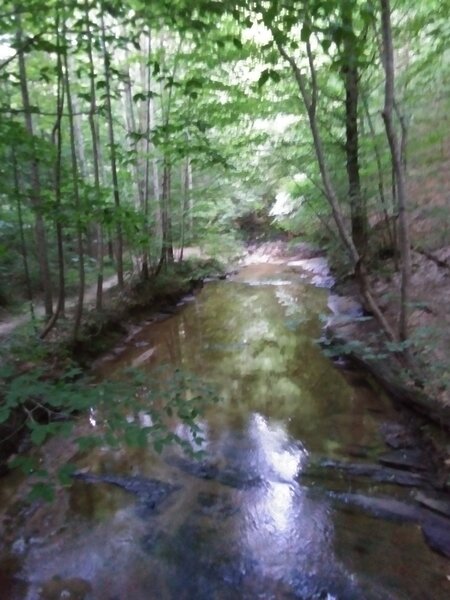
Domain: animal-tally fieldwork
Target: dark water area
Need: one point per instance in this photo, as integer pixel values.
(250, 521)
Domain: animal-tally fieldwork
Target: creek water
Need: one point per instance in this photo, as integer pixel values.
(257, 526)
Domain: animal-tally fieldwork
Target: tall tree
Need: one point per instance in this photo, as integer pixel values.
(76, 196)
(398, 164)
(112, 148)
(350, 72)
(35, 191)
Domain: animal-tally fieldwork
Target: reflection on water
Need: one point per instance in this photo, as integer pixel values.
(246, 524)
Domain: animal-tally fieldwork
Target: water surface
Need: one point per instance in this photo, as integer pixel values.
(262, 528)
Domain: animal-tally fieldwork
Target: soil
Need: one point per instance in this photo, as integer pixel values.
(10, 323)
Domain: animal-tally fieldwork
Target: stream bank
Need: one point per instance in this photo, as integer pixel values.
(358, 335)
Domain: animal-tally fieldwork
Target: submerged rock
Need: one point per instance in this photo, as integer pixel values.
(398, 436)
(381, 507)
(150, 492)
(407, 459)
(435, 528)
(375, 472)
(215, 505)
(437, 537)
(439, 503)
(229, 476)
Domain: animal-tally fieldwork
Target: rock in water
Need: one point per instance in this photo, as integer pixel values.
(150, 492)
(237, 478)
(437, 537)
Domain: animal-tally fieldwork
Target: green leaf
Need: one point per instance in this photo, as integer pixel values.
(274, 76)
(139, 97)
(158, 445)
(26, 464)
(65, 474)
(42, 491)
(39, 433)
(135, 437)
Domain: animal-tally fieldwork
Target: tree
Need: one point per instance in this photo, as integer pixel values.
(399, 167)
(35, 191)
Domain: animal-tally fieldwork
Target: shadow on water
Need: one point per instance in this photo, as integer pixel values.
(245, 522)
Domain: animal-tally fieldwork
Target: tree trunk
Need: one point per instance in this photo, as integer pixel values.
(78, 208)
(35, 196)
(23, 245)
(186, 181)
(351, 82)
(309, 98)
(167, 242)
(157, 233)
(398, 166)
(381, 189)
(97, 160)
(57, 141)
(112, 144)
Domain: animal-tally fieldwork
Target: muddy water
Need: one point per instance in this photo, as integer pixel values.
(256, 526)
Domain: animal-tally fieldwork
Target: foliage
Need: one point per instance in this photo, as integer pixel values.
(136, 409)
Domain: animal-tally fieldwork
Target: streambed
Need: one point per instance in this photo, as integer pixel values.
(253, 520)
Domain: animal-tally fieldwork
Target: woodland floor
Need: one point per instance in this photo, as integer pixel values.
(9, 323)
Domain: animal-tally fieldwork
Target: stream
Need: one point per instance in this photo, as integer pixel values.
(253, 521)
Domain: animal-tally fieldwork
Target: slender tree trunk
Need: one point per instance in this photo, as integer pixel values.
(112, 144)
(35, 196)
(404, 136)
(310, 97)
(381, 190)
(186, 179)
(23, 245)
(399, 171)
(167, 255)
(79, 140)
(132, 144)
(146, 84)
(97, 159)
(80, 245)
(167, 245)
(131, 127)
(351, 81)
(157, 233)
(190, 199)
(57, 141)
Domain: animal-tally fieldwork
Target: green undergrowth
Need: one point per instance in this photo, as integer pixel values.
(134, 410)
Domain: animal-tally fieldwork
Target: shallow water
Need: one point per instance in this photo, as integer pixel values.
(259, 527)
